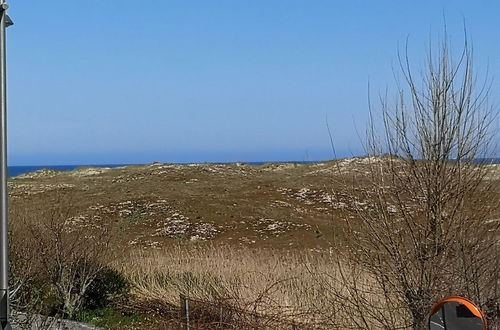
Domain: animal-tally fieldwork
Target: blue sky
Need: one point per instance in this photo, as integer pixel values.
(108, 81)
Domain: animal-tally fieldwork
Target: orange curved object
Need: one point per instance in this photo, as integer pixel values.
(464, 301)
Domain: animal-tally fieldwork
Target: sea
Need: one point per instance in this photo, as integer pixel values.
(14, 171)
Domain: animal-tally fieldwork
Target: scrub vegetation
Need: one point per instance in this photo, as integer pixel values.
(73, 259)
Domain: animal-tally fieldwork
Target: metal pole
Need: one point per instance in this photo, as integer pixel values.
(186, 307)
(4, 196)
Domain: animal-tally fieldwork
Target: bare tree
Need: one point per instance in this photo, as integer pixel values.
(70, 250)
(428, 229)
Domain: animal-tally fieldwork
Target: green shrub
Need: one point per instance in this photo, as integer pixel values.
(108, 288)
(109, 318)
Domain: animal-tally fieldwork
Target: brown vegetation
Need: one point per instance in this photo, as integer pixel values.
(314, 284)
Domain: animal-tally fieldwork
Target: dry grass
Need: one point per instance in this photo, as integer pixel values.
(282, 287)
(269, 282)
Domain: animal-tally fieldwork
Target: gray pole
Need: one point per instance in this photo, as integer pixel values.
(4, 195)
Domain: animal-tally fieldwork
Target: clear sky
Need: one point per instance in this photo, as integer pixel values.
(120, 81)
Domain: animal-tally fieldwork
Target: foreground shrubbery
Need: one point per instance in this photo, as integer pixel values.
(60, 269)
(231, 288)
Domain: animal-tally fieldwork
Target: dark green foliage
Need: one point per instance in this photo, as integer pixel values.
(109, 287)
(109, 318)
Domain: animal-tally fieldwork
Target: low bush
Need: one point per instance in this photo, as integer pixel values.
(109, 318)
(59, 267)
(108, 288)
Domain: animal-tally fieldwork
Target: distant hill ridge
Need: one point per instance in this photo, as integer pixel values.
(15, 171)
